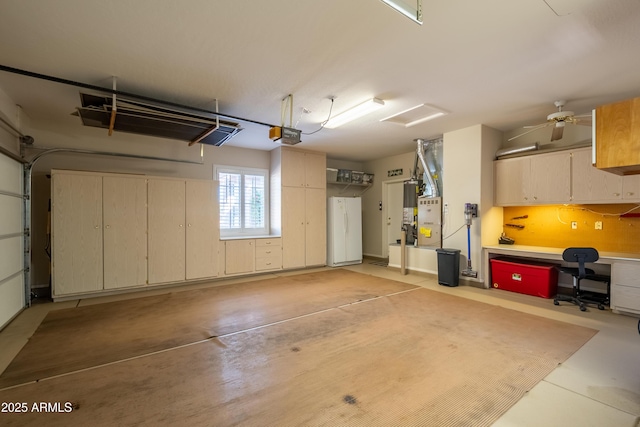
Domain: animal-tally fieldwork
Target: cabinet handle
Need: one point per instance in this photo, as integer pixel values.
(535, 197)
(630, 193)
(267, 243)
(181, 225)
(188, 225)
(268, 263)
(616, 194)
(526, 198)
(107, 226)
(268, 252)
(97, 226)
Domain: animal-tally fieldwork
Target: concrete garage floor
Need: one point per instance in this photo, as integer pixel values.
(598, 385)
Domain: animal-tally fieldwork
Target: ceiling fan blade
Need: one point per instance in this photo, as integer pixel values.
(529, 131)
(541, 125)
(557, 132)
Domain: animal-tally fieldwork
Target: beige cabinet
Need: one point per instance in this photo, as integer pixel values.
(625, 286)
(268, 254)
(293, 227)
(510, 178)
(304, 232)
(315, 226)
(631, 188)
(125, 231)
(592, 185)
(533, 180)
(298, 210)
(240, 256)
(202, 232)
(76, 218)
(166, 211)
(303, 168)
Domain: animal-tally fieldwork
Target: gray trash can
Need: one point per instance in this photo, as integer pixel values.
(448, 266)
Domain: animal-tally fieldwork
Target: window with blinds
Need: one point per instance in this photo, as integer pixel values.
(243, 201)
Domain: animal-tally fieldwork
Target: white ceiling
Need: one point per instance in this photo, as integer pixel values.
(497, 62)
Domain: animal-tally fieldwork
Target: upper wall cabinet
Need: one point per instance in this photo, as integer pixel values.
(617, 137)
(303, 169)
(530, 180)
(560, 177)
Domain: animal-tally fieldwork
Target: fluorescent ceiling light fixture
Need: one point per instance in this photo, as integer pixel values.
(412, 9)
(415, 115)
(358, 111)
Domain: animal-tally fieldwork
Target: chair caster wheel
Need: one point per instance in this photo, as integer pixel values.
(583, 308)
(555, 302)
(600, 307)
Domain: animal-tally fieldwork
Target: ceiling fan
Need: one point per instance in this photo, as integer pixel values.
(558, 120)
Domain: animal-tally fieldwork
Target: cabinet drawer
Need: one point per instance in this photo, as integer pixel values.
(268, 251)
(625, 298)
(267, 242)
(626, 273)
(273, 262)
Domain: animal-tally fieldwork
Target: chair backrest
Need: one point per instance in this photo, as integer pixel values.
(581, 256)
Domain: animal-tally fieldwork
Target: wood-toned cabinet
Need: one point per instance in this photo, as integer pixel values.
(617, 137)
(531, 180)
(76, 235)
(125, 231)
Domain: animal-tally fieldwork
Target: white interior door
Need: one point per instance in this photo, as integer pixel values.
(12, 286)
(393, 211)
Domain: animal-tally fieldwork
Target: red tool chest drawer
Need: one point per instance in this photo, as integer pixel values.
(524, 276)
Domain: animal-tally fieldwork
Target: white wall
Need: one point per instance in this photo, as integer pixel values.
(372, 218)
(11, 113)
(468, 178)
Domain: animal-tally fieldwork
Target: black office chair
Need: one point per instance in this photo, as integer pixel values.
(581, 299)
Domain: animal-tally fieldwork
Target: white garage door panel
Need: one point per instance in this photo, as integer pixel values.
(11, 298)
(12, 281)
(10, 215)
(10, 175)
(11, 259)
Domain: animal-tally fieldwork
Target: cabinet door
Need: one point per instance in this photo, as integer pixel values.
(125, 231)
(510, 178)
(76, 234)
(617, 140)
(293, 168)
(202, 229)
(590, 184)
(315, 227)
(550, 178)
(315, 170)
(631, 188)
(240, 256)
(166, 230)
(293, 227)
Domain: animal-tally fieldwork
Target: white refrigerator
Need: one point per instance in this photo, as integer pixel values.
(344, 231)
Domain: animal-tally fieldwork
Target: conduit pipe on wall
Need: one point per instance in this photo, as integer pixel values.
(516, 150)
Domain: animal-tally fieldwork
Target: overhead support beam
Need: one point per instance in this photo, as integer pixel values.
(125, 94)
(209, 131)
(114, 108)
